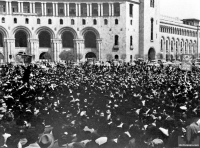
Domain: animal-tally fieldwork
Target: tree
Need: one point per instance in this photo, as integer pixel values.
(123, 57)
(79, 56)
(18, 58)
(47, 56)
(66, 56)
(109, 57)
(136, 56)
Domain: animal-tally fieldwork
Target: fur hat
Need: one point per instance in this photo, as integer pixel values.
(46, 141)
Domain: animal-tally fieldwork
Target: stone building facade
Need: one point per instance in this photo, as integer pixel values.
(84, 29)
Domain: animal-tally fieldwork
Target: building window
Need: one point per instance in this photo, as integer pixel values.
(83, 21)
(61, 11)
(152, 3)
(94, 21)
(49, 21)
(152, 29)
(38, 21)
(161, 46)
(14, 9)
(15, 20)
(105, 9)
(94, 9)
(72, 22)
(83, 9)
(116, 22)
(116, 40)
(131, 10)
(3, 20)
(2, 9)
(49, 11)
(172, 46)
(72, 9)
(26, 9)
(105, 22)
(116, 9)
(61, 21)
(26, 21)
(131, 22)
(131, 40)
(131, 58)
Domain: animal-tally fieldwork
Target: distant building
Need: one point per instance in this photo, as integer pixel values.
(100, 29)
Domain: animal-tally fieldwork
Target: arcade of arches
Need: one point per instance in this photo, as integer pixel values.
(172, 48)
(49, 46)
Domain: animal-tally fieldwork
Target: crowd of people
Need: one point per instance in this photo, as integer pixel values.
(90, 106)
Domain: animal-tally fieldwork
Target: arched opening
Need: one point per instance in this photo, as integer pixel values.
(38, 21)
(90, 55)
(1, 40)
(67, 39)
(45, 56)
(105, 22)
(151, 54)
(116, 57)
(61, 21)
(90, 40)
(44, 39)
(20, 39)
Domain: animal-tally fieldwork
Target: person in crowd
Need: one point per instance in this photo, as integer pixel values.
(89, 106)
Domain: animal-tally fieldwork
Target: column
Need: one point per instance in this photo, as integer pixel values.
(79, 9)
(112, 5)
(110, 10)
(90, 9)
(65, 11)
(99, 48)
(10, 46)
(19, 9)
(59, 49)
(45, 8)
(42, 7)
(5, 51)
(7, 12)
(56, 9)
(10, 7)
(53, 8)
(99, 9)
(31, 9)
(102, 9)
(22, 7)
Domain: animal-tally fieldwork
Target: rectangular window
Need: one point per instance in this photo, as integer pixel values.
(105, 9)
(26, 9)
(152, 3)
(72, 9)
(2, 9)
(38, 10)
(14, 9)
(131, 10)
(49, 11)
(83, 9)
(94, 10)
(60, 11)
(116, 9)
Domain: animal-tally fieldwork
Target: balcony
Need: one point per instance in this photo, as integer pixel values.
(115, 47)
(131, 47)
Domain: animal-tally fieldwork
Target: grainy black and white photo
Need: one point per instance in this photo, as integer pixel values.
(99, 74)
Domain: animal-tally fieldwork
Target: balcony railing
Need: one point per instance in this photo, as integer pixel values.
(116, 47)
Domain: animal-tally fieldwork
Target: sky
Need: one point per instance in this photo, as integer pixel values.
(180, 8)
